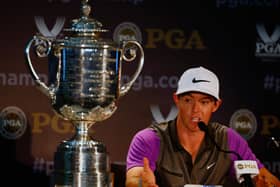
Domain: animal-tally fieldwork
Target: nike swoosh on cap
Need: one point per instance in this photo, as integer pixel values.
(194, 80)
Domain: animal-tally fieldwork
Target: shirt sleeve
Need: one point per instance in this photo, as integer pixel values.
(238, 144)
(145, 143)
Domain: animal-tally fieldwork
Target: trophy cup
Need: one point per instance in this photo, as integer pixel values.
(85, 89)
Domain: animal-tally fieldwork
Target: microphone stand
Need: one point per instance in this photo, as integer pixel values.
(276, 143)
(247, 178)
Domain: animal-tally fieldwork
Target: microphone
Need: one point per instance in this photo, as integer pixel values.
(244, 168)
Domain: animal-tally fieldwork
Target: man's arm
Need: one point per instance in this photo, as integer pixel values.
(141, 176)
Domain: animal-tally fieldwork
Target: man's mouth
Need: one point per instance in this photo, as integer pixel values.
(196, 119)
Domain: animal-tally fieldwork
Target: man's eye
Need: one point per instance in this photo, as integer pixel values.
(188, 100)
(205, 102)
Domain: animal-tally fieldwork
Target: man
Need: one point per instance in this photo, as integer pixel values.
(177, 153)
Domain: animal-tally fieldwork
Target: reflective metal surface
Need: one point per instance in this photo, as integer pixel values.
(84, 90)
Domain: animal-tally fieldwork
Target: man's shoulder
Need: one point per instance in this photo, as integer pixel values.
(160, 127)
(218, 127)
(146, 134)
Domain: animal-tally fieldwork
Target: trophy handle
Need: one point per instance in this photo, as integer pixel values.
(41, 50)
(126, 87)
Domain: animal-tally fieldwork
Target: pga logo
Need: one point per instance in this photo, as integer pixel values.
(263, 34)
(44, 30)
(158, 116)
(268, 44)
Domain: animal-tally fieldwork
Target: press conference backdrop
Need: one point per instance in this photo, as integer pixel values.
(239, 40)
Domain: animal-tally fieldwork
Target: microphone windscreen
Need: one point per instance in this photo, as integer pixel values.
(202, 126)
(248, 167)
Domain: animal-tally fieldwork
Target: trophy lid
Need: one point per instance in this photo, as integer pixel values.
(85, 31)
(85, 26)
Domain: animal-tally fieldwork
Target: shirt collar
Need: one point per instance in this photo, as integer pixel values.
(206, 143)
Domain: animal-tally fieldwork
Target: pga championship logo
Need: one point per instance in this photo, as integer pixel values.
(44, 30)
(159, 117)
(268, 42)
(13, 123)
(127, 31)
(244, 122)
(58, 25)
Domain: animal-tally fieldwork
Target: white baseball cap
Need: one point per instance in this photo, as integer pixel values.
(199, 79)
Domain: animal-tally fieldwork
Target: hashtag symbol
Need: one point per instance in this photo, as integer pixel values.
(268, 82)
(38, 165)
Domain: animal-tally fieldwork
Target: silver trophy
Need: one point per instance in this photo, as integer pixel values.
(84, 90)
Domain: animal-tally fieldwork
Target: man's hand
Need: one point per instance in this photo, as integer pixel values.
(147, 176)
(141, 176)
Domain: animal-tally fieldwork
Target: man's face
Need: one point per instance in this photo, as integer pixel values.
(194, 107)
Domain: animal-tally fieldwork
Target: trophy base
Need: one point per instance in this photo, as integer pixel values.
(81, 163)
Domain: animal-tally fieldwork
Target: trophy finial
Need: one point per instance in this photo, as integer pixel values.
(85, 9)
(85, 25)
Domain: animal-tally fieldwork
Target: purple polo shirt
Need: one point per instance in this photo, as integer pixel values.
(146, 143)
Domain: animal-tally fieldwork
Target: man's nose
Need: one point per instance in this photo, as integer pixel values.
(196, 106)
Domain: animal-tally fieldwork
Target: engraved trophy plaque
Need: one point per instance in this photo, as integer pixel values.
(86, 87)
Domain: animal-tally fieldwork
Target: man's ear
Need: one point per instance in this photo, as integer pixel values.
(175, 98)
